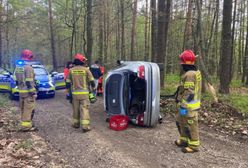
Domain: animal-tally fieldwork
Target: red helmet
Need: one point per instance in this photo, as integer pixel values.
(27, 55)
(80, 57)
(187, 57)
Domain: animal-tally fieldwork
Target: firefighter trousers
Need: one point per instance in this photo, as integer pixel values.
(81, 113)
(188, 128)
(27, 105)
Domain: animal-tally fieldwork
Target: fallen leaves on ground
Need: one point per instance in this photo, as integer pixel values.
(18, 149)
(219, 116)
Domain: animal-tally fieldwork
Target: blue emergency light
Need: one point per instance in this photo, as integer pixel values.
(19, 62)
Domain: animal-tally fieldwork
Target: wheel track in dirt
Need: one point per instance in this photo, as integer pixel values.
(134, 147)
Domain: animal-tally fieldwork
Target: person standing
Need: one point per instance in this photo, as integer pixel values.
(69, 65)
(25, 80)
(189, 103)
(77, 80)
(96, 72)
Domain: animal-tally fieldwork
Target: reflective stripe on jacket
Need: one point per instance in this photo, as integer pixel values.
(25, 74)
(79, 77)
(191, 93)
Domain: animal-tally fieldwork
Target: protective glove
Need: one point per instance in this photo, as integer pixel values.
(183, 111)
(92, 98)
(33, 94)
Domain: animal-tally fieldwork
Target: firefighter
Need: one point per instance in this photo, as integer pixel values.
(77, 80)
(25, 81)
(188, 99)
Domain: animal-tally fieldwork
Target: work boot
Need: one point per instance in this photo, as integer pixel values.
(31, 129)
(190, 150)
(181, 143)
(75, 125)
(86, 130)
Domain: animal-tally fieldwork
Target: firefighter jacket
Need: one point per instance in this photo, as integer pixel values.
(79, 77)
(25, 79)
(190, 90)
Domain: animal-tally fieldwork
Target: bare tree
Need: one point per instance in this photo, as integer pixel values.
(160, 37)
(1, 41)
(122, 5)
(133, 33)
(226, 45)
(245, 73)
(52, 39)
(153, 7)
(89, 30)
(188, 37)
(100, 32)
(146, 32)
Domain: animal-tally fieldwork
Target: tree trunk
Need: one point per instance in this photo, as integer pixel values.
(100, 22)
(118, 32)
(233, 36)
(188, 37)
(1, 40)
(146, 32)
(167, 21)
(52, 40)
(7, 55)
(154, 30)
(161, 38)
(123, 55)
(226, 44)
(241, 38)
(89, 31)
(246, 54)
(216, 39)
(133, 33)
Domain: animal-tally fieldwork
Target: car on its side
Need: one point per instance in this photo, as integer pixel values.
(133, 90)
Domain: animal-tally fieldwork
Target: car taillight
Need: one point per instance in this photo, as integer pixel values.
(140, 119)
(141, 72)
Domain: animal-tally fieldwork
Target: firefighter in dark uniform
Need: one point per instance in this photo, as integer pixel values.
(188, 99)
(77, 80)
(24, 75)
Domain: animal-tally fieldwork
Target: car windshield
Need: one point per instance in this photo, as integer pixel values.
(40, 71)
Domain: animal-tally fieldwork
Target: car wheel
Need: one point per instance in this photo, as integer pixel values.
(52, 96)
(12, 97)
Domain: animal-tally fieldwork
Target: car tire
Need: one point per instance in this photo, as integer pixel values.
(12, 97)
(52, 96)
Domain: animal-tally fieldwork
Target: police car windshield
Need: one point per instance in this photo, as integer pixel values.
(40, 71)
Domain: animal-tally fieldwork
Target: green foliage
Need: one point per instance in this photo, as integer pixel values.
(236, 83)
(238, 101)
(171, 83)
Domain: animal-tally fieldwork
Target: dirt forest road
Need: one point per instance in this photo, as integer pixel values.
(134, 147)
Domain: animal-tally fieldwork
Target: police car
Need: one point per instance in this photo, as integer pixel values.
(5, 80)
(58, 78)
(44, 83)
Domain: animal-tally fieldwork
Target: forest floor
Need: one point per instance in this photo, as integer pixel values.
(57, 144)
